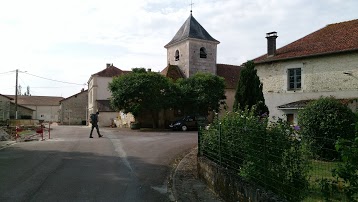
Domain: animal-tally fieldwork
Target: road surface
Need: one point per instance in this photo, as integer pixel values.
(124, 165)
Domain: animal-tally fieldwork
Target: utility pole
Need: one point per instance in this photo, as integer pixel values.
(17, 72)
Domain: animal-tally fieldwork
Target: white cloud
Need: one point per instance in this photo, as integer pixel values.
(70, 40)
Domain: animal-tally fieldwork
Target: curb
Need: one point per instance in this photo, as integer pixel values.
(8, 144)
(173, 192)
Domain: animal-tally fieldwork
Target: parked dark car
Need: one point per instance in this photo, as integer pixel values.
(189, 123)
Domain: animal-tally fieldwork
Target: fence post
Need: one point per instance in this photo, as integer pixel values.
(220, 144)
(42, 132)
(17, 133)
(49, 129)
(199, 145)
(265, 160)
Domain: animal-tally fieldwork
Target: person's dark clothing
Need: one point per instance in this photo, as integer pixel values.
(94, 121)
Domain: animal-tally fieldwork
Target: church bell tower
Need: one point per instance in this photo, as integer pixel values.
(192, 49)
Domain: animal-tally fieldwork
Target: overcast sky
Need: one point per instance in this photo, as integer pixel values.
(69, 40)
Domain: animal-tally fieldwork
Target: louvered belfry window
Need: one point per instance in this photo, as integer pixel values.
(176, 55)
(202, 52)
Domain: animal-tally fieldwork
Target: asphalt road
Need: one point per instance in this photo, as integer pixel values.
(124, 165)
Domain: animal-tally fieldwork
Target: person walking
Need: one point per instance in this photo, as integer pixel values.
(94, 122)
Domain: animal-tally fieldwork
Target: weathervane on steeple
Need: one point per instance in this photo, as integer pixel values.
(191, 6)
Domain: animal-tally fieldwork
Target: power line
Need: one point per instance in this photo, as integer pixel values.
(8, 72)
(54, 79)
(53, 87)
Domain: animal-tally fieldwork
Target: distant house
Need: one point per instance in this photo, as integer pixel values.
(22, 112)
(45, 107)
(73, 110)
(323, 63)
(4, 107)
(99, 95)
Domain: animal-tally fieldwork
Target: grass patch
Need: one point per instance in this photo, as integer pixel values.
(321, 170)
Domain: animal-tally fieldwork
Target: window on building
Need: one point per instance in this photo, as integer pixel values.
(294, 79)
(176, 55)
(202, 52)
(290, 118)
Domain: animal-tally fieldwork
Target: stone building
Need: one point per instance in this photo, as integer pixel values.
(192, 50)
(44, 107)
(323, 63)
(99, 95)
(73, 110)
(5, 107)
(22, 112)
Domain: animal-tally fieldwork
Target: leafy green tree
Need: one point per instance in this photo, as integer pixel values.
(201, 93)
(322, 122)
(249, 90)
(140, 91)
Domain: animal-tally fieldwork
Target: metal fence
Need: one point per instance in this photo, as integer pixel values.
(225, 151)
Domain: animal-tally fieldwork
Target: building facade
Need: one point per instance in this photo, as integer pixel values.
(99, 95)
(44, 108)
(192, 49)
(5, 107)
(321, 64)
(73, 110)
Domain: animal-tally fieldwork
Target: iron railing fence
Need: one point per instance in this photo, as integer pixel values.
(229, 152)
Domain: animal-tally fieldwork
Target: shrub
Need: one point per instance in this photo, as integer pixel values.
(347, 169)
(272, 157)
(322, 122)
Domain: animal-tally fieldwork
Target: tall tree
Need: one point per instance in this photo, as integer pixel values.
(140, 91)
(19, 90)
(27, 93)
(201, 93)
(249, 90)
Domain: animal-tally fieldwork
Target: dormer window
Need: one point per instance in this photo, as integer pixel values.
(202, 52)
(176, 55)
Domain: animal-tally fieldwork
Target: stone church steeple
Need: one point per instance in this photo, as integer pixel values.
(192, 49)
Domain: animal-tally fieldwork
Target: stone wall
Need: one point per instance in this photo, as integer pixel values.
(4, 108)
(228, 186)
(189, 56)
(21, 112)
(74, 109)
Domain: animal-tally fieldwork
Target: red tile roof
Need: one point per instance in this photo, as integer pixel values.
(334, 38)
(110, 71)
(302, 103)
(21, 106)
(37, 100)
(173, 72)
(6, 97)
(231, 74)
(75, 95)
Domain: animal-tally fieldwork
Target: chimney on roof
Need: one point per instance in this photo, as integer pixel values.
(271, 43)
(108, 65)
